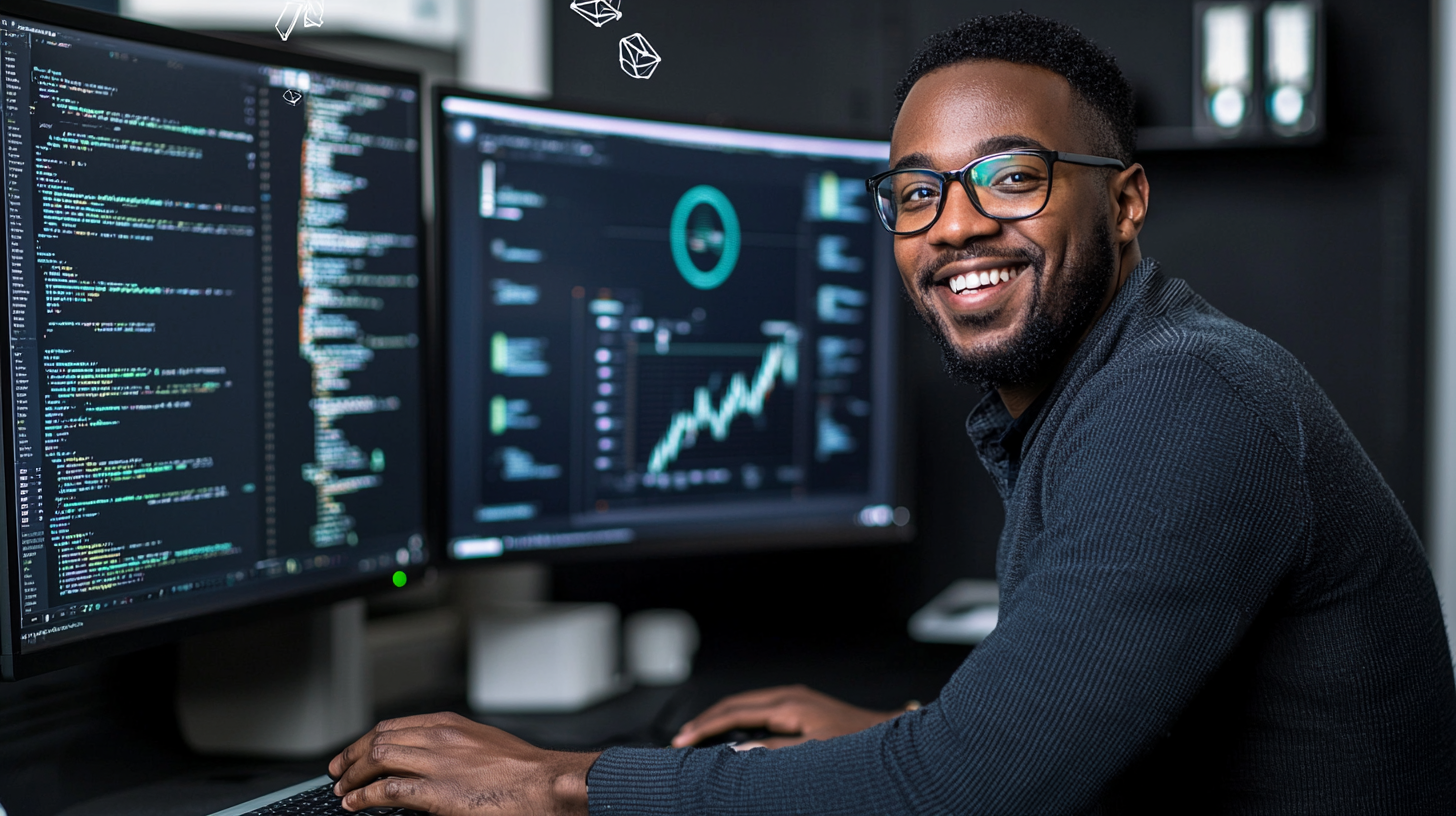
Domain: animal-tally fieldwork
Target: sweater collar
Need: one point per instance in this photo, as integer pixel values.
(989, 422)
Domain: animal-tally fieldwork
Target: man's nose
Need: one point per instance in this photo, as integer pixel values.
(960, 222)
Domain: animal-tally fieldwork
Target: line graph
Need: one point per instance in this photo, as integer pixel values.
(780, 359)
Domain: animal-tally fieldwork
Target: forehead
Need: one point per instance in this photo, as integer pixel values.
(953, 113)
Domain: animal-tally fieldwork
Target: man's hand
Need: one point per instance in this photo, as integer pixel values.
(451, 766)
(798, 710)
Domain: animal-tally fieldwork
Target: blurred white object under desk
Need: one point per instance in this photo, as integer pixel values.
(964, 612)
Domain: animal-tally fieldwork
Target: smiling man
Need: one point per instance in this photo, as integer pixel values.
(1210, 600)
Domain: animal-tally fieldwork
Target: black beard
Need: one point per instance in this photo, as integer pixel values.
(1053, 323)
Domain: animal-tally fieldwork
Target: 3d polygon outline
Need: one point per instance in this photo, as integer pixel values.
(598, 12)
(637, 57)
(312, 12)
(290, 13)
(292, 97)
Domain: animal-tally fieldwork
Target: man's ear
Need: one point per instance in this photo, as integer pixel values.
(1129, 192)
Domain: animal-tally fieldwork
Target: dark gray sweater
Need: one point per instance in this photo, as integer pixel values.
(1210, 602)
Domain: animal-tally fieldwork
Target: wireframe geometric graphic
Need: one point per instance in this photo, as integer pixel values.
(598, 12)
(638, 58)
(290, 14)
(312, 12)
(292, 97)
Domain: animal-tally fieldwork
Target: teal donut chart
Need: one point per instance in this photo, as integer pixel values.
(678, 237)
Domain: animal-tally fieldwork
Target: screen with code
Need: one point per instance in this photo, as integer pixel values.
(662, 331)
(213, 270)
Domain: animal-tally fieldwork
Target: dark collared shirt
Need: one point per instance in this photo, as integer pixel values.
(1016, 432)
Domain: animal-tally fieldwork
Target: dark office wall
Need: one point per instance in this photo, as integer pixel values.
(1323, 249)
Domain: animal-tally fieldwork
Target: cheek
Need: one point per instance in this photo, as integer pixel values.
(907, 259)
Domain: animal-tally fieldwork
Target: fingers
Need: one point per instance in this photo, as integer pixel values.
(793, 711)
(787, 718)
(406, 793)
(774, 708)
(385, 759)
(758, 698)
(382, 752)
(745, 719)
(339, 764)
(416, 731)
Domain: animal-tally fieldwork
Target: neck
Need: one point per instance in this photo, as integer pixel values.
(1017, 398)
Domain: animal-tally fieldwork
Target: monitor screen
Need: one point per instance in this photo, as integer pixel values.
(214, 396)
(661, 331)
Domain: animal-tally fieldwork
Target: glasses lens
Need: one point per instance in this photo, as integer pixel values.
(908, 199)
(1011, 185)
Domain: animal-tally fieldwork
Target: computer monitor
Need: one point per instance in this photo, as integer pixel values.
(214, 395)
(661, 336)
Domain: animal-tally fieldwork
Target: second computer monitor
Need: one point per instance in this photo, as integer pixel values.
(661, 331)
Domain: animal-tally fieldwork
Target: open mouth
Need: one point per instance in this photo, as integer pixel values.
(983, 280)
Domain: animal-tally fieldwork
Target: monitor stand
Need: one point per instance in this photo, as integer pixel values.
(288, 688)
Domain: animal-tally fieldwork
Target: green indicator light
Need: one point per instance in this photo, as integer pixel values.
(400, 578)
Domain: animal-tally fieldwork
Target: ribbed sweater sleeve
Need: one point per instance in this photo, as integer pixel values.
(1170, 513)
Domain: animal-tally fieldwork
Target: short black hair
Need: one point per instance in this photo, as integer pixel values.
(1028, 39)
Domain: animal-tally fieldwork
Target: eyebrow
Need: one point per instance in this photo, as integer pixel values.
(995, 144)
(918, 161)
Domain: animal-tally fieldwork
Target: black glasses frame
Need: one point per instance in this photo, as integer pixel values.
(1051, 157)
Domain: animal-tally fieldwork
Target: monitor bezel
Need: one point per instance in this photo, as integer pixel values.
(813, 532)
(13, 664)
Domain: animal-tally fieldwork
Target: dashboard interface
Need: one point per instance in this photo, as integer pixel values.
(660, 330)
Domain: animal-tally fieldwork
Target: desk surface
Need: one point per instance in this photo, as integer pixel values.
(102, 739)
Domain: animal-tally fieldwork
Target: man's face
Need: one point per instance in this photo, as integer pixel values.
(1062, 262)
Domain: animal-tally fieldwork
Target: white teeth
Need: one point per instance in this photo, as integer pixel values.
(975, 280)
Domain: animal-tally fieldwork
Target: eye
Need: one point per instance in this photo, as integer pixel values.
(1013, 178)
(916, 192)
(1010, 174)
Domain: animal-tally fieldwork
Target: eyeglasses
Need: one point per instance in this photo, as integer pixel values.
(1003, 186)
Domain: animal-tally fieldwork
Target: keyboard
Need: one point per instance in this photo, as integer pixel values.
(312, 798)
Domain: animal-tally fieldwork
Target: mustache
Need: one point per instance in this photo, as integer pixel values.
(925, 275)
